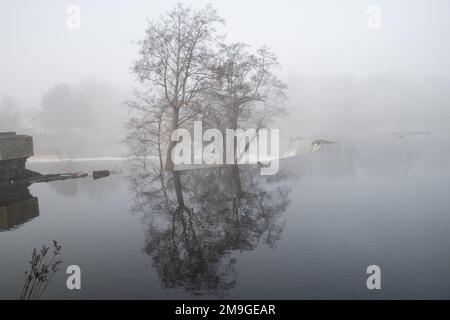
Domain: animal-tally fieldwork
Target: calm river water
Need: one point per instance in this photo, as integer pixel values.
(308, 232)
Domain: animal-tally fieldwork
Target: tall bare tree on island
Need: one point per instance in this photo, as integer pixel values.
(247, 86)
(247, 90)
(174, 61)
(187, 73)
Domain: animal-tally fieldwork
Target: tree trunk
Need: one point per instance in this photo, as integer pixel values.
(169, 166)
(237, 181)
(169, 162)
(177, 184)
(234, 126)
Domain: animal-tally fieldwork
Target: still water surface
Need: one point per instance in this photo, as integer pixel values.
(308, 232)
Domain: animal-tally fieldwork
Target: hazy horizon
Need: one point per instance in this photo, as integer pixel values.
(310, 38)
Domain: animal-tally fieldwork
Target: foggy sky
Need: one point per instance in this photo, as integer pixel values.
(310, 38)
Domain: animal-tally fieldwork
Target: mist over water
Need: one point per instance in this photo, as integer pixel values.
(350, 205)
(374, 194)
(343, 78)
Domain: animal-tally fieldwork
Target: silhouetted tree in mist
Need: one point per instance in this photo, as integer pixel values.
(187, 73)
(247, 89)
(174, 61)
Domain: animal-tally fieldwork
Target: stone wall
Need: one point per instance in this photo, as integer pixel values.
(14, 146)
(14, 150)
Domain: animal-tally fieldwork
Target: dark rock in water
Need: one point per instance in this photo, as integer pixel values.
(100, 174)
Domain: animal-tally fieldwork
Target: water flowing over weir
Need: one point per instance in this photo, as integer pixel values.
(296, 147)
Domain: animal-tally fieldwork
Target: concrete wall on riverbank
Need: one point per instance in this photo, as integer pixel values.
(14, 146)
(14, 151)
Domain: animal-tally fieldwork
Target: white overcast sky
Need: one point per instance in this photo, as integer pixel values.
(310, 37)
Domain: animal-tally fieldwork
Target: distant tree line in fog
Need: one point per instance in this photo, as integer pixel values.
(85, 119)
(186, 71)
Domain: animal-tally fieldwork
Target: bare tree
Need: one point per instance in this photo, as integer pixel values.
(247, 88)
(174, 59)
(146, 126)
(188, 74)
(146, 130)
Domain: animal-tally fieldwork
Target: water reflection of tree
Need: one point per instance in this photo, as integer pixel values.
(228, 209)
